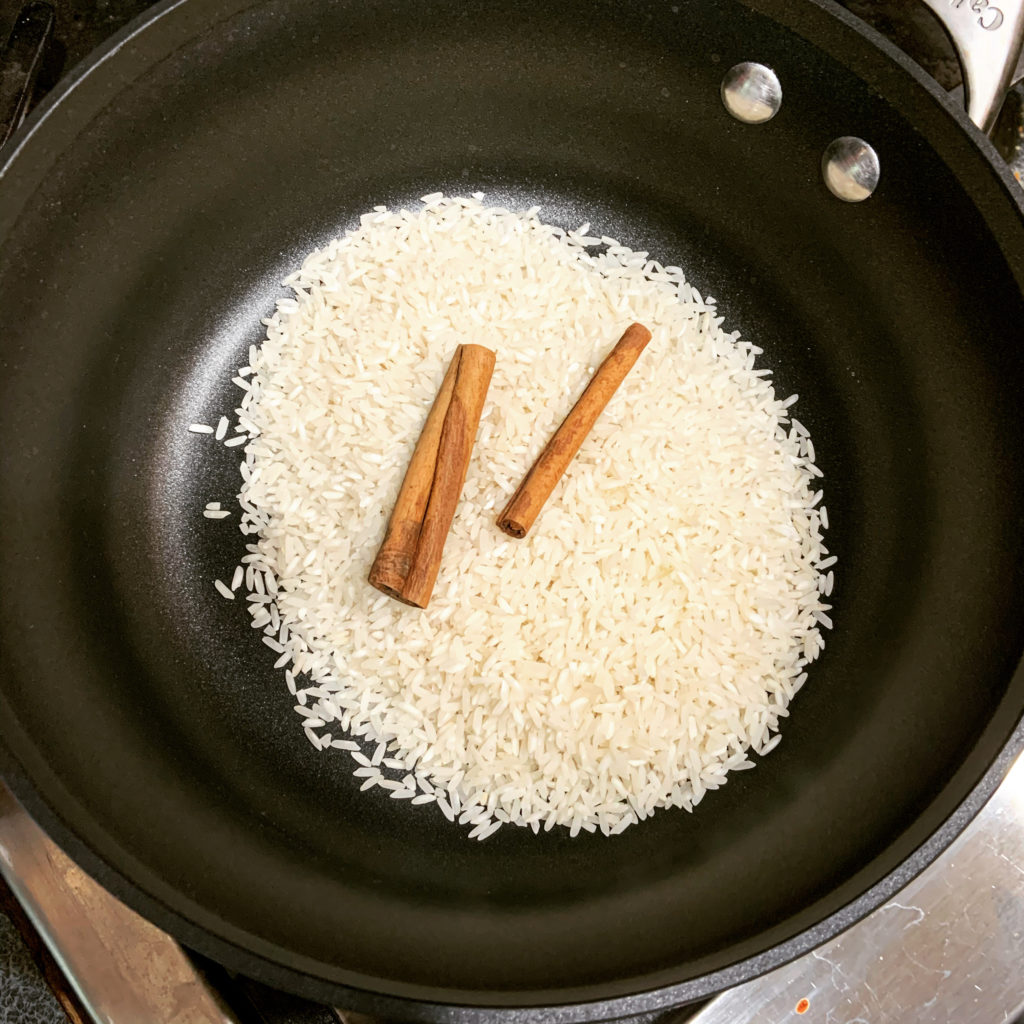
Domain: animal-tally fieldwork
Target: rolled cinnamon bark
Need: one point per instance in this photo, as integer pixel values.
(409, 558)
(525, 504)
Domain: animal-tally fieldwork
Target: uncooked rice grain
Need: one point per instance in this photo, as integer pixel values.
(650, 631)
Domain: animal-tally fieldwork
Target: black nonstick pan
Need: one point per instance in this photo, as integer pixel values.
(147, 217)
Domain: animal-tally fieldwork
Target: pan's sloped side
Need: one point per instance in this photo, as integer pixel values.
(142, 718)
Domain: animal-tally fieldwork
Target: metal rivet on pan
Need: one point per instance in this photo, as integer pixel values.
(751, 93)
(850, 168)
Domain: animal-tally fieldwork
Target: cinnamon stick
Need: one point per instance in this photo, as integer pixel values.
(525, 504)
(409, 558)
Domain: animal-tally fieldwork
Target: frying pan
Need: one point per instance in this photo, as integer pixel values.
(147, 216)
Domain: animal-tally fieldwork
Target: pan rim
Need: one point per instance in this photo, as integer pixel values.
(39, 799)
(417, 1008)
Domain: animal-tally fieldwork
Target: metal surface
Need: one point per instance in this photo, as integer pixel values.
(947, 948)
(850, 168)
(988, 37)
(751, 93)
(123, 969)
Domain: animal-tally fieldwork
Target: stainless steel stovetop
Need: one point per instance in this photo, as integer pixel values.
(948, 948)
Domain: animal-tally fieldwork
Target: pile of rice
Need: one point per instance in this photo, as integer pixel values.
(649, 632)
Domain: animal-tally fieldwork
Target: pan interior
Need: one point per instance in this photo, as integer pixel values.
(142, 706)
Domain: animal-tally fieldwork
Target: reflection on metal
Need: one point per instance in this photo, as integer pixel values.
(850, 168)
(988, 36)
(751, 93)
(949, 947)
(123, 969)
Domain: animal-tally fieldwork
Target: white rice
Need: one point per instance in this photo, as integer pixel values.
(651, 629)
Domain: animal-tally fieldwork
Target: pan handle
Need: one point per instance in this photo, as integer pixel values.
(988, 36)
